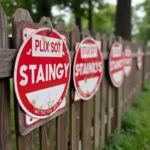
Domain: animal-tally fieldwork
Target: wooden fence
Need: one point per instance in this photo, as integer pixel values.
(86, 125)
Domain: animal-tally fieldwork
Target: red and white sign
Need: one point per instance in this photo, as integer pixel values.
(42, 73)
(116, 70)
(127, 61)
(139, 59)
(87, 68)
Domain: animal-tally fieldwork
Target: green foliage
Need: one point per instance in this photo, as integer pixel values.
(104, 19)
(143, 24)
(129, 126)
(135, 130)
(128, 129)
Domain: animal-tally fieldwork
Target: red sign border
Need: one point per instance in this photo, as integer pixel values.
(83, 98)
(15, 71)
(112, 80)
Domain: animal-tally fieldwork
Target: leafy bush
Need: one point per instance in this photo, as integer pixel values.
(129, 125)
(128, 129)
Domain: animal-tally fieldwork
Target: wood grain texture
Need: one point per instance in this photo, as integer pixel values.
(7, 59)
(47, 136)
(46, 130)
(74, 37)
(27, 142)
(62, 120)
(86, 115)
(97, 111)
(5, 137)
(110, 97)
(103, 96)
(118, 99)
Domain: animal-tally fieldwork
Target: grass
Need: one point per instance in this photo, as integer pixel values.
(135, 130)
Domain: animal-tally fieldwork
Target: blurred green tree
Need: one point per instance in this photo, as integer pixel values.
(143, 24)
(103, 19)
(80, 9)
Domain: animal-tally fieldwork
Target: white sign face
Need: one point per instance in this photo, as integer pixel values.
(116, 67)
(87, 68)
(127, 61)
(139, 59)
(41, 83)
(28, 120)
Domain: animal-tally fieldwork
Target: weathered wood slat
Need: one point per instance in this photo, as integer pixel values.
(118, 100)
(5, 137)
(62, 120)
(86, 115)
(74, 106)
(27, 142)
(97, 112)
(7, 59)
(103, 96)
(47, 130)
(47, 136)
(110, 96)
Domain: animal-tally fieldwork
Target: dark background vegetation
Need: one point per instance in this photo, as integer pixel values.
(96, 15)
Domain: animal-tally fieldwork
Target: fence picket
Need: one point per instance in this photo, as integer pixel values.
(5, 142)
(29, 141)
(74, 106)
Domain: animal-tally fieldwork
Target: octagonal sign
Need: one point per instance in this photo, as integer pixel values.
(87, 68)
(42, 73)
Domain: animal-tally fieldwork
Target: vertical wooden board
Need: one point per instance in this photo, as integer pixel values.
(62, 120)
(47, 130)
(118, 101)
(109, 92)
(86, 115)
(75, 126)
(74, 106)
(97, 120)
(62, 132)
(47, 136)
(97, 111)
(103, 95)
(27, 142)
(5, 137)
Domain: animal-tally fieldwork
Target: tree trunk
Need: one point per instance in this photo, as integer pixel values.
(43, 9)
(123, 19)
(90, 15)
(78, 21)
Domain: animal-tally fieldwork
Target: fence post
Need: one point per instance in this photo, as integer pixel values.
(118, 100)
(103, 95)
(27, 142)
(5, 137)
(62, 120)
(97, 111)
(46, 132)
(86, 116)
(74, 106)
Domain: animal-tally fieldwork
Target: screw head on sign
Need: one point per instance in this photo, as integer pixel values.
(25, 34)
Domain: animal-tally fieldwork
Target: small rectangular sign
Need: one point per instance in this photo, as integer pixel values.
(88, 50)
(46, 46)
